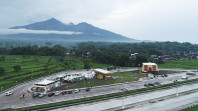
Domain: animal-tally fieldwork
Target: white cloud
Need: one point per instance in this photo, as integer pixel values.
(18, 31)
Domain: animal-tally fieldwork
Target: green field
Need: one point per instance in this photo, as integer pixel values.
(182, 64)
(118, 78)
(194, 108)
(33, 67)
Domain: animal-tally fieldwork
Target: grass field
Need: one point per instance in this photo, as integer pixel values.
(33, 67)
(183, 64)
(118, 78)
(194, 108)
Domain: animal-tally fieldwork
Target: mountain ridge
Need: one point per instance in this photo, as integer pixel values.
(89, 32)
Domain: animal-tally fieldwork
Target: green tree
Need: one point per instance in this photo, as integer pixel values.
(87, 64)
(2, 58)
(140, 59)
(2, 70)
(17, 68)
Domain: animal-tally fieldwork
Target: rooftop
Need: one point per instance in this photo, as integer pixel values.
(103, 71)
(44, 82)
(149, 63)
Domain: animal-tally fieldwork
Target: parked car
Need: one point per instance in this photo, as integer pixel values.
(88, 89)
(69, 91)
(162, 75)
(50, 94)
(146, 85)
(165, 75)
(76, 90)
(35, 95)
(157, 83)
(9, 93)
(64, 92)
(41, 95)
(57, 93)
(175, 80)
(151, 84)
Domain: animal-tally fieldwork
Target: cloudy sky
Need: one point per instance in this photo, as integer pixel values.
(160, 20)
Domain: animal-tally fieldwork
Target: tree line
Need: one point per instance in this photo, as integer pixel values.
(109, 53)
(56, 50)
(120, 53)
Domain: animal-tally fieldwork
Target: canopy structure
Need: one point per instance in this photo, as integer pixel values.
(45, 82)
(46, 85)
(103, 74)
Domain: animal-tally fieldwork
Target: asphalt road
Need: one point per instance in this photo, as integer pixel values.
(141, 101)
(13, 101)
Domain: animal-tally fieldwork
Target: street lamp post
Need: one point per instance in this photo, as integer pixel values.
(123, 94)
(177, 84)
(123, 102)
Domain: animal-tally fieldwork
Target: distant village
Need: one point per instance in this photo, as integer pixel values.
(167, 58)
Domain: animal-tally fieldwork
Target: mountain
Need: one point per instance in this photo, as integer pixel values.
(87, 32)
(51, 24)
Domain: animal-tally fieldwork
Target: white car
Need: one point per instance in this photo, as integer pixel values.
(41, 95)
(57, 93)
(9, 93)
(76, 90)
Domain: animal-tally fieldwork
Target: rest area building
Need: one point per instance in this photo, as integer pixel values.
(103, 74)
(149, 67)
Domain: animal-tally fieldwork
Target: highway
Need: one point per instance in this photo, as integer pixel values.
(163, 100)
(13, 101)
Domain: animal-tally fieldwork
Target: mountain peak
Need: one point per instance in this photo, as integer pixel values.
(52, 20)
(83, 23)
(71, 23)
(50, 24)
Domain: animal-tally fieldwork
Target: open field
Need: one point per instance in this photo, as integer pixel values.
(182, 64)
(33, 67)
(118, 78)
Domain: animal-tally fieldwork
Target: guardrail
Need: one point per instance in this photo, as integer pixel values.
(104, 97)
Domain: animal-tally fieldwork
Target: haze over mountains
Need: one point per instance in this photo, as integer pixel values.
(54, 30)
